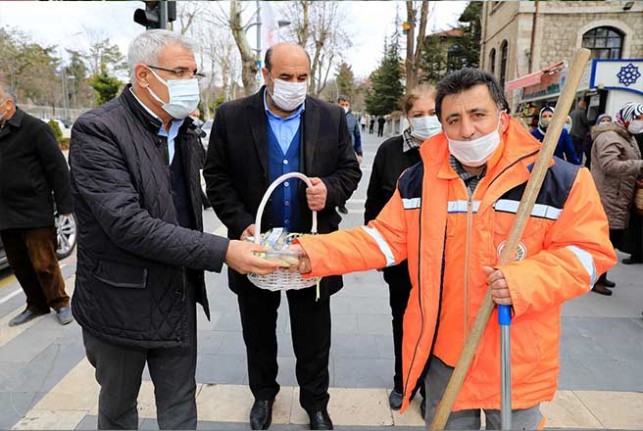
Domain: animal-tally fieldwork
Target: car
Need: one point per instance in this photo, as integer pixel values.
(66, 131)
(66, 238)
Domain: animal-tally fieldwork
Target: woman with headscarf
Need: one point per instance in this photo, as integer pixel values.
(565, 148)
(616, 165)
(588, 142)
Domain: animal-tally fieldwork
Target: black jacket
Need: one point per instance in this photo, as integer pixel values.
(236, 168)
(31, 167)
(134, 261)
(390, 161)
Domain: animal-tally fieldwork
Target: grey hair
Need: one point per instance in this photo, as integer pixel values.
(8, 92)
(147, 47)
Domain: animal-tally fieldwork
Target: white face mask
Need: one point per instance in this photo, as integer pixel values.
(425, 127)
(289, 95)
(184, 96)
(567, 127)
(475, 152)
(346, 109)
(635, 127)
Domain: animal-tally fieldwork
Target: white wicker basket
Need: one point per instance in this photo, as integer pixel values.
(281, 279)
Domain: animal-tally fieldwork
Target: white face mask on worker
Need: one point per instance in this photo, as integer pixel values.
(475, 152)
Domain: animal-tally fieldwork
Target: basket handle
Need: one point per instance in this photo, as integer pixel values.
(266, 196)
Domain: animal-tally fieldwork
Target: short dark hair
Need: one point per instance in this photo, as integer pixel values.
(343, 98)
(464, 79)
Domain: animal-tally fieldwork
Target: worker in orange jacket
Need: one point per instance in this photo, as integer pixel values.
(450, 216)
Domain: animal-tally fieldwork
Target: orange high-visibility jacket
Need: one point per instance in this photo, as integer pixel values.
(449, 236)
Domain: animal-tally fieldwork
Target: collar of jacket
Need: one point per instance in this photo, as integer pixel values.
(611, 127)
(16, 119)
(152, 123)
(258, 122)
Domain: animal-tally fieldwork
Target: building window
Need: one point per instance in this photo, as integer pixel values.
(604, 42)
(492, 61)
(504, 48)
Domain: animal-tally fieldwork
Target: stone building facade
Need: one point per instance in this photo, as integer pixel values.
(523, 37)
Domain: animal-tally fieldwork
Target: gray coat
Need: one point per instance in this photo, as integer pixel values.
(616, 163)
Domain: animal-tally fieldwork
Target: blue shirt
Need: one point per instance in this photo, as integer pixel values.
(175, 125)
(283, 128)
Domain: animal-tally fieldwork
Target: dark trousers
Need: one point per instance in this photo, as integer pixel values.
(380, 130)
(399, 286)
(310, 327)
(32, 256)
(578, 146)
(119, 371)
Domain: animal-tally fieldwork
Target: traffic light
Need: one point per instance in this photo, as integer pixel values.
(156, 14)
(406, 26)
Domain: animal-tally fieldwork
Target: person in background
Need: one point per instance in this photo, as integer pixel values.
(380, 125)
(353, 130)
(362, 122)
(633, 236)
(568, 124)
(616, 165)
(33, 176)
(197, 122)
(565, 148)
(371, 126)
(580, 126)
(588, 142)
(393, 157)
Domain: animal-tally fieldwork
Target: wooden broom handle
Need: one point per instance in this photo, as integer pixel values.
(508, 252)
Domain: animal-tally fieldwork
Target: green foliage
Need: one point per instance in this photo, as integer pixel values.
(218, 101)
(466, 53)
(445, 52)
(386, 90)
(55, 127)
(63, 143)
(105, 86)
(345, 80)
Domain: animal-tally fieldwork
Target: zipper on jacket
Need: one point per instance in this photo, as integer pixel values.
(467, 261)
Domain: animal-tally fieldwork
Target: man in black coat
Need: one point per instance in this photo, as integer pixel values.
(253, 141)
(141, 250)
(31, 168)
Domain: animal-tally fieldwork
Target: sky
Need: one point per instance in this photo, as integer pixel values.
(67, 24)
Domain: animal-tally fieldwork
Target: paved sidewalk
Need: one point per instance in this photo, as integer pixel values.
(46, 383)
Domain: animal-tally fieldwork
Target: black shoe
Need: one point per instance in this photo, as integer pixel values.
(601, 289)
(261, 414)
(25, 317)
(342, 209)
(64, 315)
(395, 399)
(609, 283)
(423, 408)
(320, 420)
(630, 261)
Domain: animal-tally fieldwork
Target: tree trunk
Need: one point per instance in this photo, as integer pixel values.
(248, 59)
(410, 40)
(414, 48)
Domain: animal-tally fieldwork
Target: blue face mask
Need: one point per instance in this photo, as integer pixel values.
(184, 96)
(567, 127)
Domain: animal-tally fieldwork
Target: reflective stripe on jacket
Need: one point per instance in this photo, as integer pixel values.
(431, 219)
